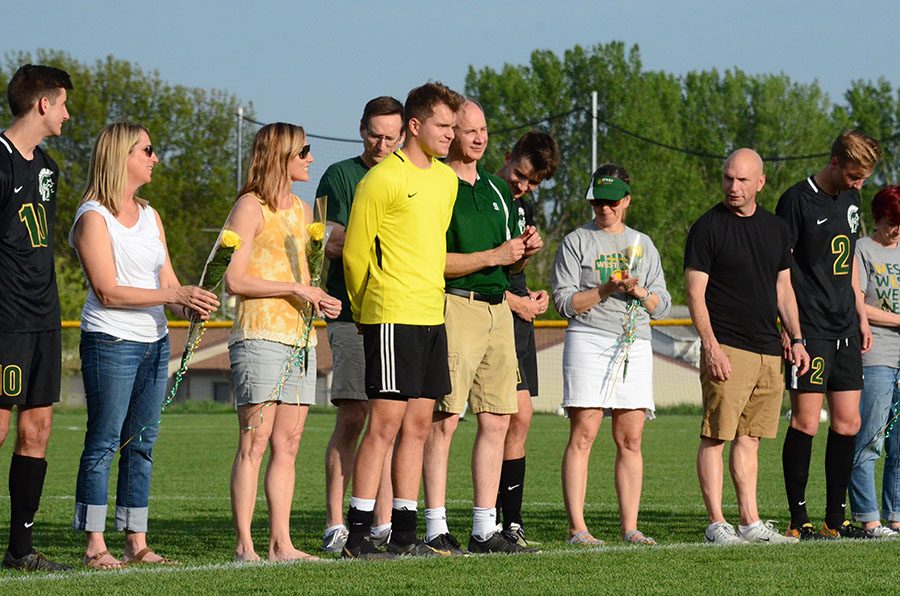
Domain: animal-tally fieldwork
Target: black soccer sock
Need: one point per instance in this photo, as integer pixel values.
(360, 525)
(838, 464)
(795, 456)
(509, 496)
(403, 526)
(26, 483)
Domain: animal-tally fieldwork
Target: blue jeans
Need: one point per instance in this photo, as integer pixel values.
(124, 386)
(880, 402)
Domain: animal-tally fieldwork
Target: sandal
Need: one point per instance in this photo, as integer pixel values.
(637, 537)
(141, 555)
(103, 561)
(584, 538)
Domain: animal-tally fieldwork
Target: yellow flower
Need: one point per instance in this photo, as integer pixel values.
(230, 239)
(316, 231)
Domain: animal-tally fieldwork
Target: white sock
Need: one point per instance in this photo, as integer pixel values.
(362, 504)
(379, 531)
(404, 504)
(484, 522)
(745, 529)
(333, 529)
(435, 523)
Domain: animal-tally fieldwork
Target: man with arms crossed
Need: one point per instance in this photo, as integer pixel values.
(481, 345)
(738, 280)
(381, 129)
(822, 214)
(30, 337)
(533, 159)
(394, 257)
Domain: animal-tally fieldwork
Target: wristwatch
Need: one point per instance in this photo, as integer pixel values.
(645, 298)
(798, 340)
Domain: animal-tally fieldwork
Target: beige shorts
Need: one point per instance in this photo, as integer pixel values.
(481, 352)
(748, 403)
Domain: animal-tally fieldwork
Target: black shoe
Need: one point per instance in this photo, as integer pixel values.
(33, 561)
(804, 533)
(845, 530)
(499, 542)
(446, 542)
(366, 551)
(516, 533)
(416, 548)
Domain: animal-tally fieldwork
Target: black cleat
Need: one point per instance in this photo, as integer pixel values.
(33, 561)
(499, 542)
(366, 551)
(804, 533)
(446, 542)
(416, 549)
(846, 530)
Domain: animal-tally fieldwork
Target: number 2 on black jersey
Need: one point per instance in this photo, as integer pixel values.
(36, 222)
(840, 246)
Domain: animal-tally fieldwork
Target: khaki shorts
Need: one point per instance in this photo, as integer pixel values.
(748, 403)
(481, 352)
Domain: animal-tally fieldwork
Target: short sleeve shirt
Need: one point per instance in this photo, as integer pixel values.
(879, 278)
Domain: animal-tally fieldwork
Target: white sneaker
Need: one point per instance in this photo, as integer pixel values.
(766, 533)
(881, 531)
(334, 541)
(722, 534)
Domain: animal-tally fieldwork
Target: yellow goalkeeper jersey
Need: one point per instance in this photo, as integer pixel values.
(395, 250)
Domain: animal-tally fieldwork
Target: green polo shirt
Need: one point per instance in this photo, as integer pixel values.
(339, 183)
(483, 218)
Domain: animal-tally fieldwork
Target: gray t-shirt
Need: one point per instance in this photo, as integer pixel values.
(587, 258)
(879, 278)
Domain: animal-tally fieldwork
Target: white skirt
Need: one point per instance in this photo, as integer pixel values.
(595, 374)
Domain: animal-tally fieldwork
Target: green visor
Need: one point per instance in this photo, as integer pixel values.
(607, 188)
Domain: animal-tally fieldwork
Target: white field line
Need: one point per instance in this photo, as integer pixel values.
(553, 554)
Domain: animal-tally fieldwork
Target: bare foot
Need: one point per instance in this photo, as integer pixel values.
(246, 557)
(290, 554)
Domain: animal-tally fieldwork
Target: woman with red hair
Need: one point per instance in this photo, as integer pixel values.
(879, 270)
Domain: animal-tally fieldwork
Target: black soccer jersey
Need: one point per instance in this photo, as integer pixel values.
(517, 281)
(823, 229)
(29, 300)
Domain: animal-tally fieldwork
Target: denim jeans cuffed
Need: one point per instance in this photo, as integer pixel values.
(879, 403)
(124, 386)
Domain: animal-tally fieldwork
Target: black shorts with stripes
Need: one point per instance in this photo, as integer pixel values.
(406, 361)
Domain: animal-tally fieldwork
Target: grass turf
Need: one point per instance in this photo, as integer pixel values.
(191, 521)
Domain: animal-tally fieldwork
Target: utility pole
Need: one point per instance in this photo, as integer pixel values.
(593, 132)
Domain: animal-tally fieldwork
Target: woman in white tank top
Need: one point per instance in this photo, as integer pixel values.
(121, 244)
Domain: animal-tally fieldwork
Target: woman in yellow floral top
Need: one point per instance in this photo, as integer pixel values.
(269, 275)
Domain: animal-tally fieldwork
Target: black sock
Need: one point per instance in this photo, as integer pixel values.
(403, 526)
(795, 456)
(509, 496)
(360, 525)
(26, 483)
(838, 464)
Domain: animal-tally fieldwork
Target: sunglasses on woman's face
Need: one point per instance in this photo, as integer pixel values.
(599, 202)
(304, 152)
(148, 150)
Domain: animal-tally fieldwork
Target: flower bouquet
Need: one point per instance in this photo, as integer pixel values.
(634, 256)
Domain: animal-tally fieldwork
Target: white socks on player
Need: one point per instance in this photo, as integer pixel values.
(404, 504)
(435, 523)
(484, 522)
(362, 504)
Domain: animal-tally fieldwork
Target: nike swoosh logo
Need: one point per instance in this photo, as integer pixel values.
(412, 194)
(802, 503)
(29, 524)
(16, 190)
(513, 486)
(819, 222)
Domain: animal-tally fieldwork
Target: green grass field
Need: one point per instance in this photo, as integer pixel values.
(190, 521)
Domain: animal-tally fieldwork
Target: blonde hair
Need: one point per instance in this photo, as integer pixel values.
(273, 149)
(108, 172)
(852, 146)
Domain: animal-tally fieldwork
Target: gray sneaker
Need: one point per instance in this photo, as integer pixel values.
(722, 534)
(766, 533)
(334, 541)
(882, 532)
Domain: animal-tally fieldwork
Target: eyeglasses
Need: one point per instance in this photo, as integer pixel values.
(148, 150)
(599, 202)
(377, 138)
(304, 152)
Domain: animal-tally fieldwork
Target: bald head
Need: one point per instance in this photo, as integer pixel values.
(471, 135)
(742, 179)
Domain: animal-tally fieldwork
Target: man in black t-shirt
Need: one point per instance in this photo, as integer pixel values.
(30, 340)
(737, 276)
(533, 159)
(822, 213)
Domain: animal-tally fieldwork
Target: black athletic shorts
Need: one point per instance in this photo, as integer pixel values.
(526, 352)
(406, 361)
(30, 368)
(835, 365)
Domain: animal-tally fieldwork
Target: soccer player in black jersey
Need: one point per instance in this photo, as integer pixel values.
(30, 340)
(823, 216)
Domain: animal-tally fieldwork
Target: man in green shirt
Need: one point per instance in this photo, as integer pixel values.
(482, 247)
(381, 129)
